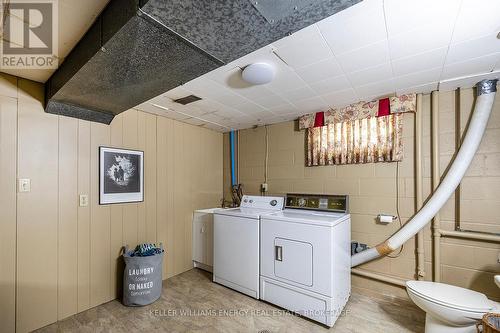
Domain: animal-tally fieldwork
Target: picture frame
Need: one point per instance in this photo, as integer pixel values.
(121, 175)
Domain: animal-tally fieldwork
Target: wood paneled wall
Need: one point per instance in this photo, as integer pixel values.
(56, 258)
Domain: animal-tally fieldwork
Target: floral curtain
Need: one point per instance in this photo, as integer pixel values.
(366, 140)
(361, 110)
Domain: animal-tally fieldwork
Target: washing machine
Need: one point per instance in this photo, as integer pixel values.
(236, 243)
(305, 256)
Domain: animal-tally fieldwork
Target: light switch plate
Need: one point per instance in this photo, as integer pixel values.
(24, 185)
(84, 200)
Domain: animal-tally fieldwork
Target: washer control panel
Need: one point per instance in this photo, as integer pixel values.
(261, 202)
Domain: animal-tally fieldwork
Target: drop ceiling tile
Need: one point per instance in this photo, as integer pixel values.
(162, 100)
(422, 61)
(473, 49)
(303, 48)
(208, 105)
(284, 109)
(204, 87)
(217, 128)
(467, 82)
(177, 92)
(285, 81)
(404, 15)
(230, 78)
(476, 19)
(264, 115)
(365, 57)
(298, 94)
(194, 121)
(340, 98)
(190, 110)
(158, 110)
(418, 78)
(265, 54)
(370, 75)
(242, 118)
(419, 40)
(473, 66)
(214, 118)
(279, 119)
(331, 84)
(377, 89)
(248, 108)
(252, 92)
(354, 27)
(320, 71)
(314, 104)
(228, 112)
(269, 100)
(229, 98)
(289, 117)
(147, 107)
(423, 89)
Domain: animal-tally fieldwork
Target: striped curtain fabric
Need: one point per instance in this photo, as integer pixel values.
(367, 140)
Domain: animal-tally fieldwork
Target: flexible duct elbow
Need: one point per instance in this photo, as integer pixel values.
(485, 97)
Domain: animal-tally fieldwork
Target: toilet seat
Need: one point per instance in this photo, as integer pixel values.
(451, 296)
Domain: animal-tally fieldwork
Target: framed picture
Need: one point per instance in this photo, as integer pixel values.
(121, 175)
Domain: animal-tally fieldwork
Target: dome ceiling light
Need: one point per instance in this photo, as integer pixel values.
(258, 73)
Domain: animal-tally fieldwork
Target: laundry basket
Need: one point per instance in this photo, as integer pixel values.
(142, 277)
(490, 323)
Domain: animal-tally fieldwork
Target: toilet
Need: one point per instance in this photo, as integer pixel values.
(449, 309)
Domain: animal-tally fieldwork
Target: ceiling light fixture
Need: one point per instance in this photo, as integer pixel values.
(258, 73)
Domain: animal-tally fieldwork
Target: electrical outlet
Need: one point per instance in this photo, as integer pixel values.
(24, 185)
(84, 200)
(263, 187)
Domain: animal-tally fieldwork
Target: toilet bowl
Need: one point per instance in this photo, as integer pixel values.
(449, 309)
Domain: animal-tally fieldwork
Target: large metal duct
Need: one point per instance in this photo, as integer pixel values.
(139, 49)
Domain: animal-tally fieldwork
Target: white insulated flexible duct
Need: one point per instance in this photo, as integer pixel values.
(485, 97)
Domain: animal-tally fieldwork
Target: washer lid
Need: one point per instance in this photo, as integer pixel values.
(452, 296)
(244, 212)
(327, 219)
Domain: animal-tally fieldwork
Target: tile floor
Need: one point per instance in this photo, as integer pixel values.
(190, 300)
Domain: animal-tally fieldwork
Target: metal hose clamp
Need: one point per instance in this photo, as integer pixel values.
(486, 86)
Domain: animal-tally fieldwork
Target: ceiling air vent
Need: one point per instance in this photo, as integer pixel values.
(187, 99)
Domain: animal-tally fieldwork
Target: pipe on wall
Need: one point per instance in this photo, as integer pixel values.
(418, 187)
(379, 277)
(233, 172)
(470, 235)
(485, 97)
(237, 157)
(436, 222)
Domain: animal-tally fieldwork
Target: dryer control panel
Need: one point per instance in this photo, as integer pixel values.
(331, 203)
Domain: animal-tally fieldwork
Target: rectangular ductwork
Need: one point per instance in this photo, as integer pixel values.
(123, 60)
(137, 50)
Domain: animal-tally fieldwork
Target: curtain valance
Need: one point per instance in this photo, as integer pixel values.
(360, 110)
(367, 140)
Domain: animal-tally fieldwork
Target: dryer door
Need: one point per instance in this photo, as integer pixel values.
(293, 261)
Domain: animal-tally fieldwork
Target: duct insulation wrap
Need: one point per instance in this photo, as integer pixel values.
(485, 97)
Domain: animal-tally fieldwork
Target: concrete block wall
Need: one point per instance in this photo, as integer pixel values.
(372, 189)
